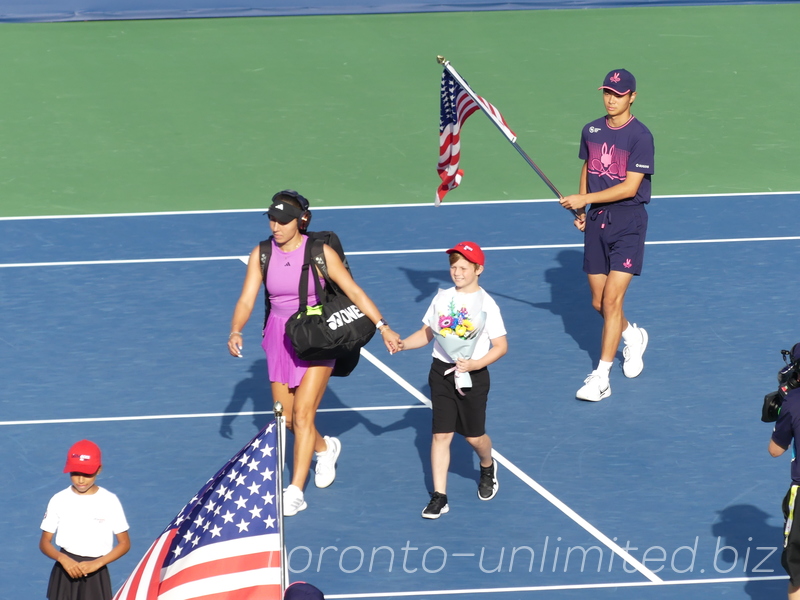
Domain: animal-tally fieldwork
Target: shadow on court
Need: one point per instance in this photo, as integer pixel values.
(256, 389)
(570, 299)
(749, 546)
(427, 283)
(461, 453)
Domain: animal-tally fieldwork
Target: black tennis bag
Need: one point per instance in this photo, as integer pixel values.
(333, 329)
(346, 363)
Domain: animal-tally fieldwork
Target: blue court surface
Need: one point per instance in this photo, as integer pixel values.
(114, 329)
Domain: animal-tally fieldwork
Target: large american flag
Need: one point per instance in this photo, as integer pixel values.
(456, 106)
(225, 543)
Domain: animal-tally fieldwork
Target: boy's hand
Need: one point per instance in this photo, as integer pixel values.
(391, 339)
(465, 365)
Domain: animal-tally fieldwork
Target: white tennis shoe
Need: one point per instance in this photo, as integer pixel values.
(632, 353)
(595, 388)
(325, 471)
(293, 501)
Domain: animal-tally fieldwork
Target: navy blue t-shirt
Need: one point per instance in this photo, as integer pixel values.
(787, 429)
(611, 152)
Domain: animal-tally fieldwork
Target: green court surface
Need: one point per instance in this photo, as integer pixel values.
(132, 116)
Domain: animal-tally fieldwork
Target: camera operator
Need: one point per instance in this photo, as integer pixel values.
(786, 432)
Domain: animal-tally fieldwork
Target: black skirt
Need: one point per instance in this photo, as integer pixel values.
(96, 586)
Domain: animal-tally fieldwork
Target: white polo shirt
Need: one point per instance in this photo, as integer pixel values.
(85, 524)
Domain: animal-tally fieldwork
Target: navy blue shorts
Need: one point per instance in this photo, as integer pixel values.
(614, 239)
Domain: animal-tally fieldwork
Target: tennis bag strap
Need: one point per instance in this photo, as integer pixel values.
(346, 364)
(302, 290)
(317, 241)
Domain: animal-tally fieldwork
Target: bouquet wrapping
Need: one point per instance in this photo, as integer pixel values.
(459, 323)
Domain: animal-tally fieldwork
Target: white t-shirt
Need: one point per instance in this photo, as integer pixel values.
(85, 524)
(478, 301)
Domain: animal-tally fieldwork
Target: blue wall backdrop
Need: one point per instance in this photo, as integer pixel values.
(87, 10)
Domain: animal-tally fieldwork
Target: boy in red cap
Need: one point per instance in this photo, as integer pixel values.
(459, 409)
(85, 518)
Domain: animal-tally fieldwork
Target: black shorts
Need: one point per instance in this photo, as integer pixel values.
(790, 559)
(96, 586)
(452, 412)
(614, 239)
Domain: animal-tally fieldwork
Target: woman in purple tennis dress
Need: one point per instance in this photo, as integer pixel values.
(297, 384)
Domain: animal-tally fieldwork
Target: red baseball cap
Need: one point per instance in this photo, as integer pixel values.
(469, 250)
(83, 457)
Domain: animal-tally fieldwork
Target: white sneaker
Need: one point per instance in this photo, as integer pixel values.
(595, 388)
(325, 471)
(293, 501)
(633, 364)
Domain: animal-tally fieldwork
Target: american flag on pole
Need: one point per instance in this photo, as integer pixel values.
(225, 543)
(458, 102)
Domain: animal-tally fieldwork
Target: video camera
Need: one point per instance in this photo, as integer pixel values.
(788, 379)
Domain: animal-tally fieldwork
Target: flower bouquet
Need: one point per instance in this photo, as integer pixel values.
(458, 328)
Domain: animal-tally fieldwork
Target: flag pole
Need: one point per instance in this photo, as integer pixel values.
(279, 423)
(511, 138)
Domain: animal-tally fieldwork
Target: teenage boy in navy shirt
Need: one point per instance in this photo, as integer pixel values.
(618, 154)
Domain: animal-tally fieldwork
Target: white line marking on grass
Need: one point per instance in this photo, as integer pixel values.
(591, 529)
(244, 259)
(550, 588)
(366, 206)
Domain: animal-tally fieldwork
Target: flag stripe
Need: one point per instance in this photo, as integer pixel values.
(225, 543)
(221, 567)
(141, 585)
(222, 550)
(261, 592)
(224, 584)
(457, 105)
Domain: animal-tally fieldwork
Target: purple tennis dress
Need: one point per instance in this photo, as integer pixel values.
(283, 278)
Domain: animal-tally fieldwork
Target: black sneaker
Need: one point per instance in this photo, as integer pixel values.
(436, 507)
(488, 485)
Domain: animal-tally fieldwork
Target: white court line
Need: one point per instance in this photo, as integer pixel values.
(596, 533)
(246, 413)
(133, 261)
(548, 588)
(366, 206)
(377, 252)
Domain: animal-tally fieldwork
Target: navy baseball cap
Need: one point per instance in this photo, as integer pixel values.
(301, 590)
(283, 212)
(619, 81)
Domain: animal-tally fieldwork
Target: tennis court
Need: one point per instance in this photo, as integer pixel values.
(672, 464)
(132, 187)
